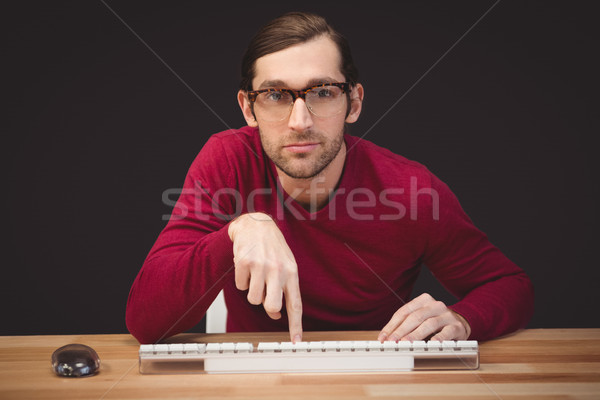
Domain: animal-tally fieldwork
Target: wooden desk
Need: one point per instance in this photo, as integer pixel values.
(541, 363)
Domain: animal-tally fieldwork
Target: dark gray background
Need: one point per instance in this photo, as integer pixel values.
(95, 127)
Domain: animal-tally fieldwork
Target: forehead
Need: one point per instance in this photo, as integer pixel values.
(300, 64)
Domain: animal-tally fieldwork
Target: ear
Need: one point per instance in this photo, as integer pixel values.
(246, 109)
(356, 97)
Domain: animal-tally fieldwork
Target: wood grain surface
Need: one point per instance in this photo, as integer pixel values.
(530, 364)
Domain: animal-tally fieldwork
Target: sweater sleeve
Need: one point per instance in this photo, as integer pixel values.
(495, 295)
(186, 267)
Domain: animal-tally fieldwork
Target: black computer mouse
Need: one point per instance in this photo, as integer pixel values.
(75, 360)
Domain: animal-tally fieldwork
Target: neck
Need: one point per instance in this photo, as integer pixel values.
(314, 193)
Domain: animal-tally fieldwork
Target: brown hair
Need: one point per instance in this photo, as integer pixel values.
(288, 30)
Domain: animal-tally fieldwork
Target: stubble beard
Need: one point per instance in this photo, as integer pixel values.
(286, 163)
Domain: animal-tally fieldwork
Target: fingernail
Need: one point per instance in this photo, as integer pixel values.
(297, 338)
(382, 337)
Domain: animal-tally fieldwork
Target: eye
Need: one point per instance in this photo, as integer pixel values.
(275, 96)
(323, 92)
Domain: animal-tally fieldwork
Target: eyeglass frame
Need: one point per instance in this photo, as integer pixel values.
(253, 94)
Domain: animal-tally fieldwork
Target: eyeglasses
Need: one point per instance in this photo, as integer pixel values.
(324, 100)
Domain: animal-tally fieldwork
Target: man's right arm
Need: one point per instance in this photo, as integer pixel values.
(266, 267)
(199, 249)
(188, 264)
(183, 273)
(175, 288)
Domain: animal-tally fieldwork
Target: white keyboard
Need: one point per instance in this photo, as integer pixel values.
(325, 356)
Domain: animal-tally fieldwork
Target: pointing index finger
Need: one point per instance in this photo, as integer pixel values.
(293, 304)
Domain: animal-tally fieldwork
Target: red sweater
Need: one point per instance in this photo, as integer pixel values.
(358, 257)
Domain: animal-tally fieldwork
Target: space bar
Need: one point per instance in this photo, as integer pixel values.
(320, 362)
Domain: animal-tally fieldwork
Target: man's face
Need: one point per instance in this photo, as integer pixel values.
(302, 145)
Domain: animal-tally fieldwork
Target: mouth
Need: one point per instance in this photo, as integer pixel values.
(303, 147)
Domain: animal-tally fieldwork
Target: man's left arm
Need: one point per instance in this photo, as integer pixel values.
(495, 295)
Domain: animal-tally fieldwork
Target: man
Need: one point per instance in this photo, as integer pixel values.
(306, 227)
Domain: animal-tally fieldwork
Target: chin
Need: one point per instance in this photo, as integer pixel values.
(299, 173)
(303, 172)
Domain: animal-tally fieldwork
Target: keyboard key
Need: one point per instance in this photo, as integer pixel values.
(390, 345)
(244, 347)
(419, 345)
(360, 345)
(330, 346)
(194, 348)
(227, 347)
(287, 347)
(404, 345)
(315, 346)
(467, 344)
(346, 345)
(448, 345)
(161, 348)
(300, 347)
(374, 345)
(213, 347)
(269, 347)
(146, 349)
(176, 348)
(434, 345)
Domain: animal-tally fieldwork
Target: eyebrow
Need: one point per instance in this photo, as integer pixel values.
(277, 83)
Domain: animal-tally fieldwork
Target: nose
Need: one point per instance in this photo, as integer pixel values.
(300, 117)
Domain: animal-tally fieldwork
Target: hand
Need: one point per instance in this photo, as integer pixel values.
(423, 317)
(265, 265)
